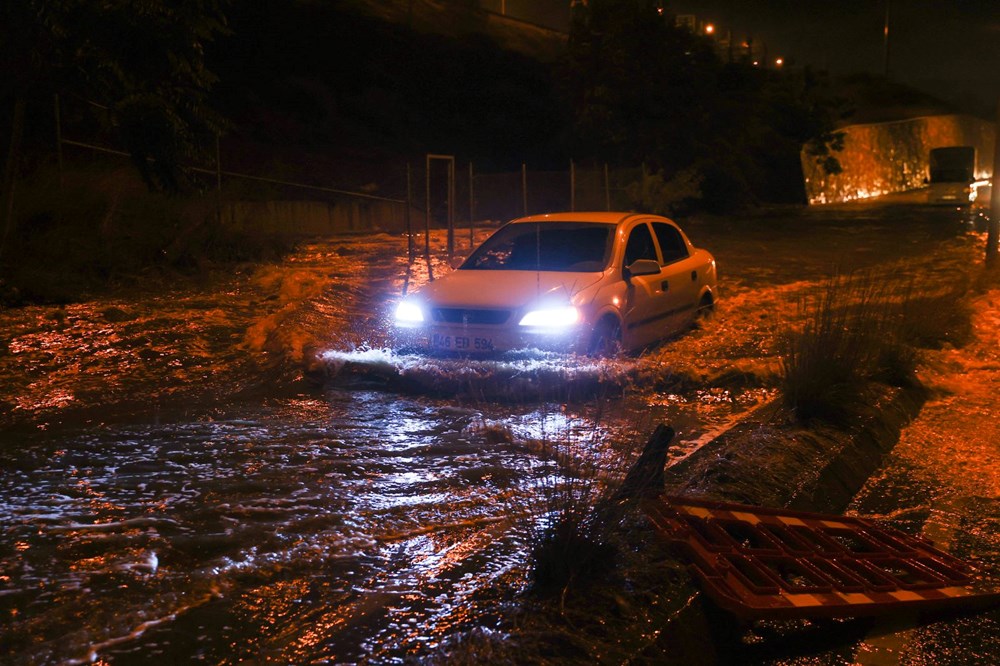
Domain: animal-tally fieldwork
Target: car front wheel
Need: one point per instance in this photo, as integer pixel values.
(607, 340)
(706, 306)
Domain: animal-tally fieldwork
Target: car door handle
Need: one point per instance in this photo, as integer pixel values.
(665, 285)
(694, 276)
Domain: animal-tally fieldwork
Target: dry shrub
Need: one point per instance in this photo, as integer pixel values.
(867, 327)
(574, 542)
(583, 507)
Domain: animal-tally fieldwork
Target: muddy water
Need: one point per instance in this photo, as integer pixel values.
(174, 489)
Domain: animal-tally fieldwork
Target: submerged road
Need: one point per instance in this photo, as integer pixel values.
(174, 489)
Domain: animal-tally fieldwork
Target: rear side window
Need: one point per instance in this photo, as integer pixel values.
(640, 245)
(671, 242)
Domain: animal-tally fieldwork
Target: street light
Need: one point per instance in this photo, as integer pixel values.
(709, 29)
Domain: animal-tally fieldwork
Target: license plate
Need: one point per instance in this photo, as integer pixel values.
(461, 342)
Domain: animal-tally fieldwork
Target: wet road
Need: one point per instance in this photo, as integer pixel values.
(173, 489)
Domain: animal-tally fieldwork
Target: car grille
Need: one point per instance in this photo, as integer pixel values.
(474, 317)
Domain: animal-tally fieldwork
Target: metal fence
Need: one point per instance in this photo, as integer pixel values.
(440, 192)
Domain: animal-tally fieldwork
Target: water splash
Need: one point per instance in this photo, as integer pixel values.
(527, 377)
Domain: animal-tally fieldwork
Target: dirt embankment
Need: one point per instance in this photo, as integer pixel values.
(772, 460)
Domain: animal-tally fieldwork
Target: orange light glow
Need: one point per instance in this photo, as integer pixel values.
(709, 29)
(883, 158)
(779, 62)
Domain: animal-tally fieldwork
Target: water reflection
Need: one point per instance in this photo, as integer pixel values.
(402, 513)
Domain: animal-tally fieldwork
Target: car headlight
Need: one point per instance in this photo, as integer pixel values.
(561, 317)
(409, 313)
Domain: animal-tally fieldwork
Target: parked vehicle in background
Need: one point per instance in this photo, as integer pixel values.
(590, 283)
(952, 177)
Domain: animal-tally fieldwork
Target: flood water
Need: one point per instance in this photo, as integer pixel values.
(192, 475)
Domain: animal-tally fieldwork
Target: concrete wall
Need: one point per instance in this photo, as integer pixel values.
(311, 218)
(892, 157)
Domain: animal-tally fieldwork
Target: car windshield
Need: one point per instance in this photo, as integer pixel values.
(577, 247)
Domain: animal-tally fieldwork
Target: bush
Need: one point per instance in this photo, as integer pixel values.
(654, 193)
(584, 506)
(573, 544)
(863, 328)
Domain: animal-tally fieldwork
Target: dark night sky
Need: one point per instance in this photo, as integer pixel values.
(949, 48)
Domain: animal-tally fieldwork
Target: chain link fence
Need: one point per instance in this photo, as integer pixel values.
(298, 198)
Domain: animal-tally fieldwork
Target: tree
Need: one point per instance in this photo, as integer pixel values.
(646, 91)
(637, 83)
(142, 60)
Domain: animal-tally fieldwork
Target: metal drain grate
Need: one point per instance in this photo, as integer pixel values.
(761, 563)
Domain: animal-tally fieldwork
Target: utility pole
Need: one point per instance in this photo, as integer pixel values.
(885, 40)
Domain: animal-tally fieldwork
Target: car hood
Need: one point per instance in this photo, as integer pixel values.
(505, 289)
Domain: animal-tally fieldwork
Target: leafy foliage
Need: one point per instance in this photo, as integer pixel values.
(142, 60)
(635, 82)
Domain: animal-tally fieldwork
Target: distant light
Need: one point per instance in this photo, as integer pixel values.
(709, 29)
(755, 63)
(779, 61)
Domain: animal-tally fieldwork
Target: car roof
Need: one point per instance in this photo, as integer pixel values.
(607, 217)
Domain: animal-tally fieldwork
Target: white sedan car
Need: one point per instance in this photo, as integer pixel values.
(593, 283)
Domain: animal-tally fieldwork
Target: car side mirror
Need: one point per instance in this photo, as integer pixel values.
(642, 267)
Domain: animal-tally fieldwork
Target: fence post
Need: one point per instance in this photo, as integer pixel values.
(572, 185)
(451, 210)
(8, 184)
(524, 187)
(993, 231)
(427, 218)
(472, 210)
(411, 250)
(218, 180)
(59, 150)
(607, 188)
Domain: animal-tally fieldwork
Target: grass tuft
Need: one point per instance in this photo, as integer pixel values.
(574, 542)
(863, 328)
(587, 495)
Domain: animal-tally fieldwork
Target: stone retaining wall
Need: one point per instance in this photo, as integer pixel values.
(883, 158)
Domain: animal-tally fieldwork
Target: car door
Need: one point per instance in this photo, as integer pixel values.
(646, 303)
(679, 278)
